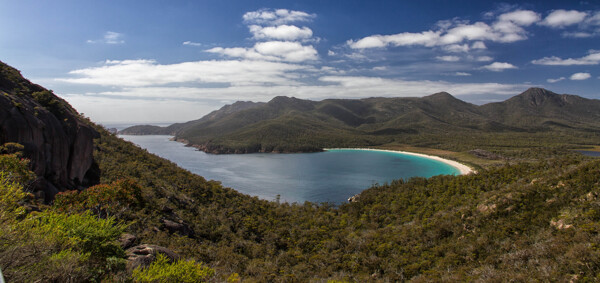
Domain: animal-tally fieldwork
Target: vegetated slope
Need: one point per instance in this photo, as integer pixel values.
(293, 125)
(541, 109)
(537, 220)
(530, 220)
(174, 128)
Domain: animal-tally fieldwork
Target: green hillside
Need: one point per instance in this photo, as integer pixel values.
(534, 217)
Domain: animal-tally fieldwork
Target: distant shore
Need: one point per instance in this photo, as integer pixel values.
(462, 168)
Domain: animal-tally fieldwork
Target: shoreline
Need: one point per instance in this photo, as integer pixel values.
(462, 168)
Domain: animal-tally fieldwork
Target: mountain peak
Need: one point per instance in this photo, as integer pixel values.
(440, 95)
(536, 96)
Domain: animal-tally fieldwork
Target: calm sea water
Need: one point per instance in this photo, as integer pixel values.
(331, 176)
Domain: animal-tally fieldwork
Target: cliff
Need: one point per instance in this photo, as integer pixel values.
(55, 137)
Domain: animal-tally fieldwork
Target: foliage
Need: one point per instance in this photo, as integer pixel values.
(15, 169)
(11, 194)
(48, 245)
(103, 200)
(179, 271)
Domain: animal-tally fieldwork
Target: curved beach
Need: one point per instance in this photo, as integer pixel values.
(462, 168)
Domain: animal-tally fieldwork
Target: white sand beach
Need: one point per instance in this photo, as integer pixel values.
(464, 169)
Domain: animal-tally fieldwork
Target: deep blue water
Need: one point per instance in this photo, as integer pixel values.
(330, 176)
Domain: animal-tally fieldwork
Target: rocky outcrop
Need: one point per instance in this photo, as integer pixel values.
(144, 255)
(127, 240)
(178, 227)
(55, 138)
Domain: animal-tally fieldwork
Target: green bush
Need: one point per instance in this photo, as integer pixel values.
(180, 271)
(103, 200)
(16, 169)
(50, 246)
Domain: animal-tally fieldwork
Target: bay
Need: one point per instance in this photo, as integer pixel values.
(330, 176)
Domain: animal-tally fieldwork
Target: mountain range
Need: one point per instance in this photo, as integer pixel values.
(287, 124)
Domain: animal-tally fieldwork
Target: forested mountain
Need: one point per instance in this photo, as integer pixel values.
(535, 217)
(290, 125)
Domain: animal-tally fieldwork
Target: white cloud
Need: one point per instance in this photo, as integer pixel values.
(330, 53)
(336, 86)
(580, 76)
(507, 28)
(484, 59)
(144, 73)
(555, 80)
(380, 68)
(288, 51)
(276, 17)
(448, 58)
(462, 74)
(476, 31)
(478, 45)
(457, 48)
(594, 20)
(191, 43)
(499, 66)
(593, 58)
(282, 32)
(577, 34)
(426, 38)
(271, 51)
(562, 18)
(110, 37)
(520, 17)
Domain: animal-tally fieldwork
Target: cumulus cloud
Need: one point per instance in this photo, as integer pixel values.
(562, 18)
(580, 76)
(499, 66)
(110, 37)
(426, 38)
(282, 32)
(555, 80)
(520, 17)
(508, 27)
(271, 51)
(276, 17)
(448, 58)
(593, 58)
(276, 40)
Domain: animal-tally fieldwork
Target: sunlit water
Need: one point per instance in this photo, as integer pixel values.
(330, 176)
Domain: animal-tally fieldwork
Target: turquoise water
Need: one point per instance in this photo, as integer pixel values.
(330, 176)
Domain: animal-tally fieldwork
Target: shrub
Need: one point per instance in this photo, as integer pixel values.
(16, 169)
(83, 231)
(180, 271)
(103, 200)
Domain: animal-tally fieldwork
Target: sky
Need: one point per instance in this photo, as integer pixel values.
(174, 61)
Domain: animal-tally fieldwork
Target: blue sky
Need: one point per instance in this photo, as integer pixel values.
(168, 61)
